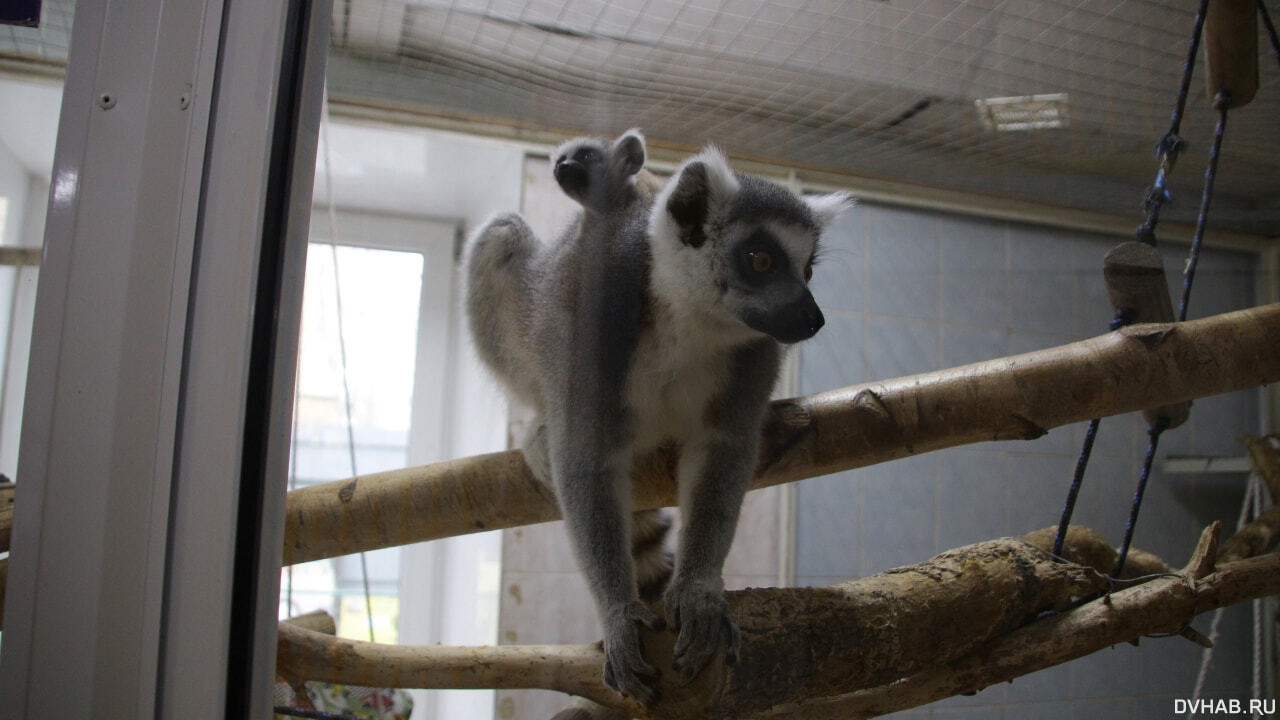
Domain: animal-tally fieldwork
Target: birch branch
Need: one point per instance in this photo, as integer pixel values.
(957, 623)
(1017, 397)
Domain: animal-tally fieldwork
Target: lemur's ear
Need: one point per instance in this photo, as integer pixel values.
(630, 149)
(826, 208)
(702, 184)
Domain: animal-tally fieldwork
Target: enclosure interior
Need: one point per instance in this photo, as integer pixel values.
(972, 239)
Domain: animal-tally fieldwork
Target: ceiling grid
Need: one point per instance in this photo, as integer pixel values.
(872, 88)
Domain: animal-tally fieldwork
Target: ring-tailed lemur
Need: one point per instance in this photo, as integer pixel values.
(652, 322)
(579, 166)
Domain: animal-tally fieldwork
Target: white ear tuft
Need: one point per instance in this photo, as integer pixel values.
(633, 131)
(720, 178)
(826, 208)
(702, 185)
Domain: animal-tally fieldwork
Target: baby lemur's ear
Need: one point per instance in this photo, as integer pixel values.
(702, 185)
(826, 208)
(629, 149)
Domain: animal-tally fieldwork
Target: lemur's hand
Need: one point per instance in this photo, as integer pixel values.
(705, 625)
(624, 666)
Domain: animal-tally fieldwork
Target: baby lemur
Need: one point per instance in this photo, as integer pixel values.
(656, 319)
(580, 166)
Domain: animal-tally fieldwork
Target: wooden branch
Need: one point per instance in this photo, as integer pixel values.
(308, 655)
(1254, 538)
(957, 623)
(1262, 534)
(1266, 459)
(1085, 547)
(796, 642)
(315, 621)
(1162, 606)
(1018, 397)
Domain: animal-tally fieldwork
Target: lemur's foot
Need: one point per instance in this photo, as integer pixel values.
(705, 625)
(624, 666)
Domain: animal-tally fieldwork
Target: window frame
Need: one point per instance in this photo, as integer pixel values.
(147, 538)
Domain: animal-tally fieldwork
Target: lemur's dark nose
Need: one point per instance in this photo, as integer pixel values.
(816, 321)
(808, 319)
(798, 320)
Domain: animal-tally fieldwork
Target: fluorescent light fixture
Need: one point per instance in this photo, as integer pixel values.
(1024, 112)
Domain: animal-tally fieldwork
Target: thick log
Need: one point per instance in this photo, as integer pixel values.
(962, 621)
(1162, 606)
(1018, 397)
(796, 642)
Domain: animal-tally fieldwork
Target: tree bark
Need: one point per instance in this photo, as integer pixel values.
(1254, 538)
(1018, 397)
(964, 620)
(1266, 459)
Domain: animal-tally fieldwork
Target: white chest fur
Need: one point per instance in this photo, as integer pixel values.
(678, 369)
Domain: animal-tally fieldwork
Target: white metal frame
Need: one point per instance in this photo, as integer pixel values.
(146, 546)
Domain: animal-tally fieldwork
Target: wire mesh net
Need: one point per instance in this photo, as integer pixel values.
(880, 89)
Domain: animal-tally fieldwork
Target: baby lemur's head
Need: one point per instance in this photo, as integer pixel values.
(593, 171)
(739, 250)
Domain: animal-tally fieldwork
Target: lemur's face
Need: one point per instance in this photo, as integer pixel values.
(766, 269)
(740, 249)
(576, 164)
(582, 167)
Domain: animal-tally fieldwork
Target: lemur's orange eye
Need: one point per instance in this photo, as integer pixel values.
(761, 261)
(808, 273)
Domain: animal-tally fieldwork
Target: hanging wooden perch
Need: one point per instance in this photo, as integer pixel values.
(1231, 50)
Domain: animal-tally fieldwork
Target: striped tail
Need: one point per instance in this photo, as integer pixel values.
(653, 561)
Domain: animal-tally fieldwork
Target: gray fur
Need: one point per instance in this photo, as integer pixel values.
(643, 326)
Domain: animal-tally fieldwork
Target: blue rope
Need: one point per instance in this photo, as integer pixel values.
(1159, 426)
(1171, 144)
(1220, 103)
(1271, 29)
(1123, 317)
(1076, 479)
(1167, 150)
